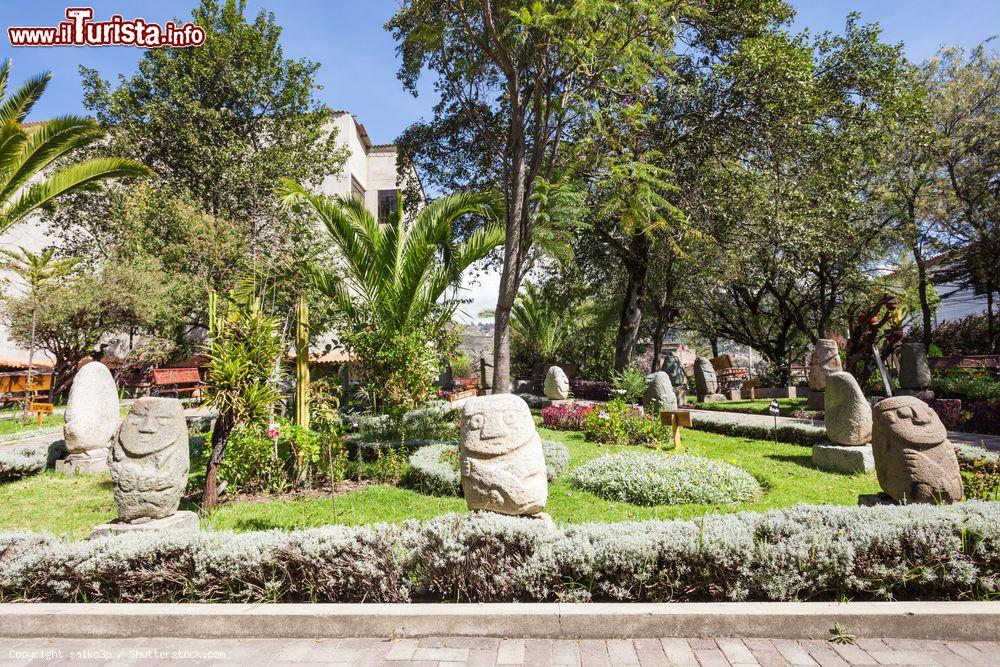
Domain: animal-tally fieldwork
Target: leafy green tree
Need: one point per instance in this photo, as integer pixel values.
(36, 271)
(396, 274)
(514, 78)
(37, 164)
(253, 120)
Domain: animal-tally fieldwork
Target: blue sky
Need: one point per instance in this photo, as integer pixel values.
(358, 71)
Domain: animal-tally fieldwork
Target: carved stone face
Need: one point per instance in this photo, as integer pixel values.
(912, 421)
(152, 425)
(502, 464)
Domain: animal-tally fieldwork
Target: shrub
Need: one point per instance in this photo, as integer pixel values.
(591, 390)
(566, 417)
(659, 479)
(803, 553)
(434, 469)
(792, 432)
(969, 387)
(618, 423)
(949, 410)
(985, 417)
(25, 461)
(436, 422)
(630, 384)
(252, 461)
(966, 335)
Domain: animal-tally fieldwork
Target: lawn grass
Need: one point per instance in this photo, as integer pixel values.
(759, 406)
(16, 425)
(75, 505)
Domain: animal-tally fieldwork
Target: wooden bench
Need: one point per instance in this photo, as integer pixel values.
(167, 381)
(970, 361)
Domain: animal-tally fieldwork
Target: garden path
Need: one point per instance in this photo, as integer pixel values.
(990, 442)
(492, 651)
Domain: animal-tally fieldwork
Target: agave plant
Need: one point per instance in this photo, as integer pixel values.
(396, 273)
(27, 153)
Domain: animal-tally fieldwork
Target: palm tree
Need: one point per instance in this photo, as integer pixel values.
(539, 328)
(36, 270)
(26, 152)
(395, 273)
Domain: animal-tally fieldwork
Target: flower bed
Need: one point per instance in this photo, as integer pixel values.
(658, 479)
(618, 423)
(805, 553)
(434, 469)
(591, 390)
(568, 417)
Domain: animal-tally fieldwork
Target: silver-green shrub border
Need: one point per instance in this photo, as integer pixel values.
(430, 475)
(665, 479)
(29, 460)
(916, 552)
(791, 432)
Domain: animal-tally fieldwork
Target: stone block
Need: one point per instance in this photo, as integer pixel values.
(816, 400)
(844, 458)
(182, 520)
(711, 398)
(94, 462)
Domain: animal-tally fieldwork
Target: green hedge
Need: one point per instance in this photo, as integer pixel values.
(807, 552)
(793, 432)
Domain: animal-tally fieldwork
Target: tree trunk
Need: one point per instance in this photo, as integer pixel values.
(991, 335)
(637, 266)
(925, 305)
(661, 323)
(220, 437)
(714, 342)
(31, 360)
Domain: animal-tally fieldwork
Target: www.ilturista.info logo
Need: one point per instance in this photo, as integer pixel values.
(80, 30)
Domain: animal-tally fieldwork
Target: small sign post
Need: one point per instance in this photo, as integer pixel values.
(774, 409)
(676, 419)
(41, 409)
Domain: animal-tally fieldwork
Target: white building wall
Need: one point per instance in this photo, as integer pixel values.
(32, 235)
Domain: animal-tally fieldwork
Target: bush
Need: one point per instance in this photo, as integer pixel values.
(792, 432)
(659, 479)
(985, 417)
(26, 461)
(252, 461)
(591, 390)
(630, 384)
(803, 553)
(962, 336)
(434, 469)
(566, 417)
(969, 387)
(949, 410)
(618, 423)
(436, 422)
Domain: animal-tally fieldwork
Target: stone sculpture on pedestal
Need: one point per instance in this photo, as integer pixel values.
(556, 385)
(674, 369)
(824, 361)
(149, 466)
(914, 371)
(92, 417)
(659, 394)
(706, 381)
(914, 460)
(848, 425)
(502, 464)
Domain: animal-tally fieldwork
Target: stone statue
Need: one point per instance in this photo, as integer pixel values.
(92, 417)
(914, 460)
(150, 460)
(659, 394)
(705, 381)
(848, 414)
(914, 372)
(824, 360)
(556, 384)
(674, 369)
(502, 464)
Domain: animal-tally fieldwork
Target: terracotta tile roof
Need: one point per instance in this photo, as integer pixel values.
(17, 363)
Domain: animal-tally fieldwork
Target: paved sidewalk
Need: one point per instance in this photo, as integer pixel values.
(490, 651)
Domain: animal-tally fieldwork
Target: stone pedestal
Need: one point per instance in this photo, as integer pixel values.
(816, 400)
(711, 398)
(847, 459)
(875, 499)
(92, 462)
(565, 401)
(182, 520)
(734, 395)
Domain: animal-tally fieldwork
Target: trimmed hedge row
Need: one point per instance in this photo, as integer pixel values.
(793, 432)
(25, 461)
(806, 552)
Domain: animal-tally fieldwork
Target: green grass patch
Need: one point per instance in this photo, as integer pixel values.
(65, 505)
(17, 425)
(759, 406)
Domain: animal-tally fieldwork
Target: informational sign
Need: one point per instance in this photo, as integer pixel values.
(40, 409)
(676, 419)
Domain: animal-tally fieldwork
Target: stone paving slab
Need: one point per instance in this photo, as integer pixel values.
(439, 651)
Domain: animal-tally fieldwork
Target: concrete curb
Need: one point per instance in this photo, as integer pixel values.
(785, 620)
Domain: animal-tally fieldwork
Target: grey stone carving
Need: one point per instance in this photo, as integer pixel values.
(92, 417)
(825, 360)
(659, 394)
(848, 414)
(556, 384)
(502, 464)
(914, 373)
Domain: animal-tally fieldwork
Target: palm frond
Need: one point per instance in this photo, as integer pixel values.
(42, 146)
(17, 106)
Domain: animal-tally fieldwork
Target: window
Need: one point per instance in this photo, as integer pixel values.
(388, 201)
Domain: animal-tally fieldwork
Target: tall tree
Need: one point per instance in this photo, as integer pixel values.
(513, 79)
